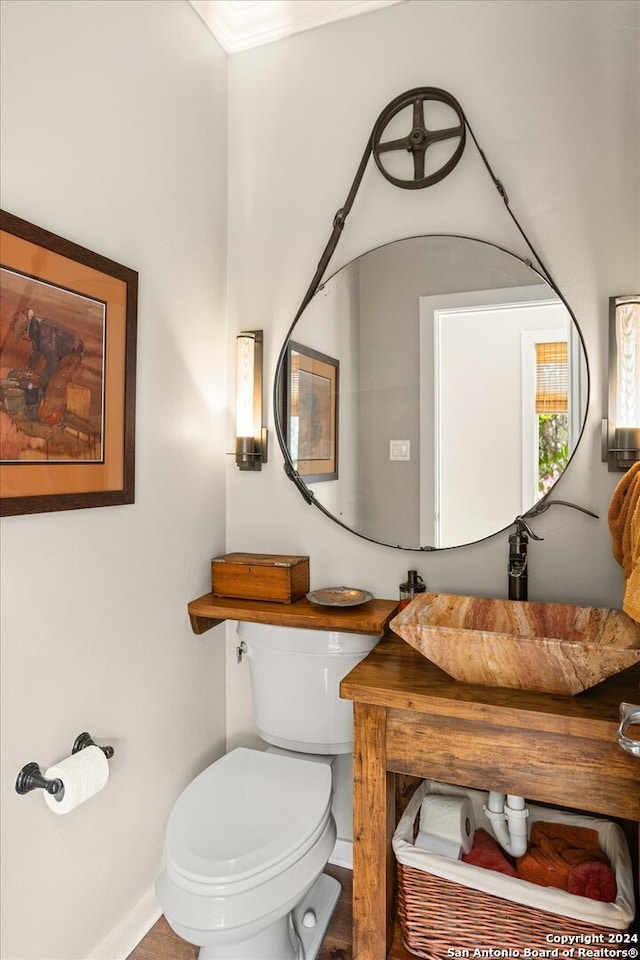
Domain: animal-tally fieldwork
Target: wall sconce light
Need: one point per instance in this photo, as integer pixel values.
(621, 432)
(251, 436)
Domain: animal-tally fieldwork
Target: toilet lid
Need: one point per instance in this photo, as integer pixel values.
(245, 813)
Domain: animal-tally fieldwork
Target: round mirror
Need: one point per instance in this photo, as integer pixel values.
(432, 390)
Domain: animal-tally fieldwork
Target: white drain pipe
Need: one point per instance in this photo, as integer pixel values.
(509, 823)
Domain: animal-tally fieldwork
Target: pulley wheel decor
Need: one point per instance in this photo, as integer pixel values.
(419, 138)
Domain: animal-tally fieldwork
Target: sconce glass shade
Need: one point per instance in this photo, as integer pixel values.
(251, 437)
(622, 432)
(245, 358)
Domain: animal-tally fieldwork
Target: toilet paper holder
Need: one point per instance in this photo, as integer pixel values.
(31, 777)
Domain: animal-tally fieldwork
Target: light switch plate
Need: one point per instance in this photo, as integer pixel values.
(400, 450)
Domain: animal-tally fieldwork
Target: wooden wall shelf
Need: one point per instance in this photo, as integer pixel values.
(370, 617)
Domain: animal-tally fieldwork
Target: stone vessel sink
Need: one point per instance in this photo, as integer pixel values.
(546, 647)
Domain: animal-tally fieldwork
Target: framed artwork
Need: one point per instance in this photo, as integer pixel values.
(67, 374)
(311, 412)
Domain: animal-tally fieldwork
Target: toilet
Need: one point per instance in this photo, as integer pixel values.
(247, 841)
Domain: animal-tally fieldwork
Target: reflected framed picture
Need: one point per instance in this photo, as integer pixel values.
(311, 412)
(67, 374)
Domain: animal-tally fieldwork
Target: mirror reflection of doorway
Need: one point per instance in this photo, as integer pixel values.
(486, 430)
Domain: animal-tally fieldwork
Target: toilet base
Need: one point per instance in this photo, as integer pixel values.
(321, 900)
(288, 938)
(279, 941)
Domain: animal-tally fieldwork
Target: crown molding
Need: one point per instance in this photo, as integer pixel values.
(241, 24)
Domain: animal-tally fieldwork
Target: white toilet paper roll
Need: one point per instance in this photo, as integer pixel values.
(434, 844)
(83, 774)
(449, 818)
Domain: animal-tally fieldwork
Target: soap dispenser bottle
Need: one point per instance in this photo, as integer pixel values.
(411, 588)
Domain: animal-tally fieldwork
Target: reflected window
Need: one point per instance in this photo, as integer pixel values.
(552, 410)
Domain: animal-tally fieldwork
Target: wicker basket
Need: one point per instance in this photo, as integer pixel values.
(439, 915)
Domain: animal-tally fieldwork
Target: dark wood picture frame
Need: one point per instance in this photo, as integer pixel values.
(68, 324)
(311, 412)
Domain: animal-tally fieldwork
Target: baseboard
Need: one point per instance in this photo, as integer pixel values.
(342, 855)
(128, 934)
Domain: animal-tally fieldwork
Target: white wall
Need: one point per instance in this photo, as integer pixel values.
(551, 91)
(114, 136)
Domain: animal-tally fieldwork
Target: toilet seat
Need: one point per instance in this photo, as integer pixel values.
(245, 818)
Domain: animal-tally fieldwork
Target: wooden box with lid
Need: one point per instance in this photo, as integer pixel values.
(279, 578)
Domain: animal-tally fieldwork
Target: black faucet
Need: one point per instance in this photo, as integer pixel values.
(517, 566)
(518, 543)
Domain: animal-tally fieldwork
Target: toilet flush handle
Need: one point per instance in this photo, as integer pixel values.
(240, 650)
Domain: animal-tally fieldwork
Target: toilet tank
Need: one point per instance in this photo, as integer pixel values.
(296, 674)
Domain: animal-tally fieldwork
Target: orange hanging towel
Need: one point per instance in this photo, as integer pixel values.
(624, 526)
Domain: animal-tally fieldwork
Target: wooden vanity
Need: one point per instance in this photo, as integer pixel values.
(410, 718)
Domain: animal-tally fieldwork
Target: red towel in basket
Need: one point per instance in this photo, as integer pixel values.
(555, 849)
(486, 853)
(594, 880)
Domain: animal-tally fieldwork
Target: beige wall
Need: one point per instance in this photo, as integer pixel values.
(114, 136)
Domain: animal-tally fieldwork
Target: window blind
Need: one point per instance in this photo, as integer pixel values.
(552, 377)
